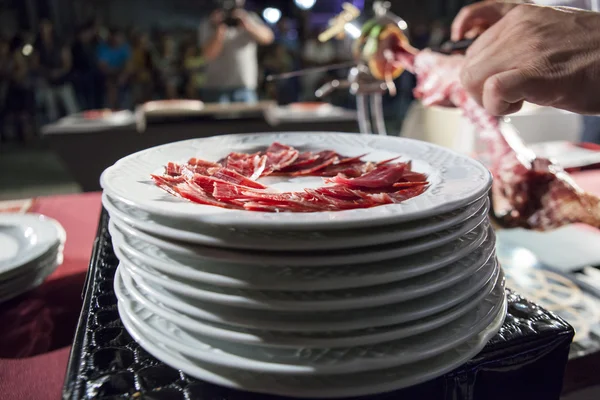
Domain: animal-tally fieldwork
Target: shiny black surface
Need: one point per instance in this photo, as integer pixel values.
(526, 360)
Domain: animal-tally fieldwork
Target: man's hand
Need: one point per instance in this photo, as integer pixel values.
(212, 47)
(243, 17)
(217, 17)
(259, 31)
(544, 55)
(475, 18)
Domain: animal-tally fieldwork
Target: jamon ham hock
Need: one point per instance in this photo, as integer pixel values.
(528, 191)
(349, 182)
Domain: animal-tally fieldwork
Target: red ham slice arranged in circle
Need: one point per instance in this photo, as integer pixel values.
(232, 182)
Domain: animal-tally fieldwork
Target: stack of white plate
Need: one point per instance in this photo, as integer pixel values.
(31, 248)
(328, 304)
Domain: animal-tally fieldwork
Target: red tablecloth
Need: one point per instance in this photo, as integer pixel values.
(37, 328)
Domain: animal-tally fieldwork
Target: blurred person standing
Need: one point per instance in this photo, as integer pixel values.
(142, 69)
(229, 44)
(5, 66)
(289, 90)
(315, 54)
(288, 37)
(168, 65)
(85, 67)
(54, 62)
(195, 68)
(19, 112)
(113, 58)
(277, 61)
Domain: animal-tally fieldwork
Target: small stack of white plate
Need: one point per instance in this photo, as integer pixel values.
(31, 248)
(329, 304)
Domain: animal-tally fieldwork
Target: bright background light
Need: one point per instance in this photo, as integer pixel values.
(305, 4)
(27, 50)
(272, 15)
(352, 30)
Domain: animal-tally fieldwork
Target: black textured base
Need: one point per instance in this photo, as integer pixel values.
(526, 360)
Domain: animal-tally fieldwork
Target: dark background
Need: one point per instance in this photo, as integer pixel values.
(163, 14)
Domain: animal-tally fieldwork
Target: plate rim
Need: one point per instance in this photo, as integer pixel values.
(389, 251)
(254, 337)
(476, 345)
(306, 244)
(228, 359)
(323, 220)
(488, 282)
(339, 304)
(334, 283)
(54, 234)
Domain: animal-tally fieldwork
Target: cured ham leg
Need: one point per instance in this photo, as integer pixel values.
(528, 191)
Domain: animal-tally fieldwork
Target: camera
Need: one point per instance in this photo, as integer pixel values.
(228, 7)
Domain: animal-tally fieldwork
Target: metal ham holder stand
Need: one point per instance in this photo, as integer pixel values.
(369, 98)
(367, 89)
(361, 83)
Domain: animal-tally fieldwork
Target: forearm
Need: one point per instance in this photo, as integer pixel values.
(213, 47)
(262, 34)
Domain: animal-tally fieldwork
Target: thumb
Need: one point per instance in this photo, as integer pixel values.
(504, 92)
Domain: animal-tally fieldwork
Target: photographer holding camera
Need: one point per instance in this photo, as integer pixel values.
(229, 43)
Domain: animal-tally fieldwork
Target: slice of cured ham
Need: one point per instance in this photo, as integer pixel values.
(320, 161)
(231, 183)
(279, 156)
(384, 176)
(248, 165)
(231, 176)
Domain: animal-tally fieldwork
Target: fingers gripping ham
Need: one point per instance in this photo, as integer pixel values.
(530, 192)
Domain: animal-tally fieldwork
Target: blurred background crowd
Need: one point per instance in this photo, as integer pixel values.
(64, 56)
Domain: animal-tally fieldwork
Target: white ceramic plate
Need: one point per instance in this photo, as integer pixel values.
(455, 180)
(188, 231)
(26, 282)
(38, 263)
(25, 238)
(310, 279)
(302, 361)
(320, 321)
(33, 269)
(261, 337)
(298, 278)
(345, 385)
(118, 229)
(345, 299)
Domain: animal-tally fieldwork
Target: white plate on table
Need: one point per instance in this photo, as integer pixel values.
(298, 278)
(118, 229)
(210, 235)
(344, 299)
(301, 361)
(54, 252)
(321, 321)
(25, 238)
(345, 385)
(33, 269)
(30, 280)
(261, 337)
(455, 180)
